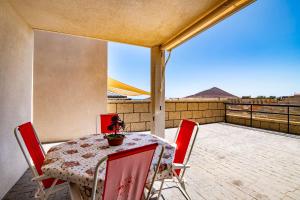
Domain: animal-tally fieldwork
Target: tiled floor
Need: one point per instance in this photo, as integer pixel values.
(228, 162)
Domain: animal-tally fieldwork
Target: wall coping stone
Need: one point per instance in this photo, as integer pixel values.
(168, 101)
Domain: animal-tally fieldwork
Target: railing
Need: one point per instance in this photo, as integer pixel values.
(253, 110)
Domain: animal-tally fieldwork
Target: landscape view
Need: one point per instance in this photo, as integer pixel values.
(247, 59)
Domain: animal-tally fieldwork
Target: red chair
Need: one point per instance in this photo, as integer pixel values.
(185, 138)
(126, 173)
(105, 120)
(25, 134)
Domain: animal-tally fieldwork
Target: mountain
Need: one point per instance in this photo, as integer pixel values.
(212, 93)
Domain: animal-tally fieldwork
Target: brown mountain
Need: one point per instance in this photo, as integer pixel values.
(212, 93)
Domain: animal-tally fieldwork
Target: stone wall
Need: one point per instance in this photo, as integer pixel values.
(137, 116)
(264, 123)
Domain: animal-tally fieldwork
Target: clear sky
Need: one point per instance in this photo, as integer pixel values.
(254, 52)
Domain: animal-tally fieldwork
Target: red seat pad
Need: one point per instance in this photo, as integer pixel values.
(126, 173)
(183, 141)
(34, 149)
(105, 121)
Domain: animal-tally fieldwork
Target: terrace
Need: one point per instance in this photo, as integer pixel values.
(228, 162)
(54, 74)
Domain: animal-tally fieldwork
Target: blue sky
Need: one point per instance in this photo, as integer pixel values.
(254, 52)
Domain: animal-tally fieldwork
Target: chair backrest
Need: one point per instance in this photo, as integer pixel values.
(33, 148)
(32, 145)
(184, 135)
(105, 121)
(126, 173)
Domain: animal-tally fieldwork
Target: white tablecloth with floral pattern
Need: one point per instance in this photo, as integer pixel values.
(75, 160)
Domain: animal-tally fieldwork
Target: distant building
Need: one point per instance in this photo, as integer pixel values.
(213, 93)
(293, 99)
(112, 95)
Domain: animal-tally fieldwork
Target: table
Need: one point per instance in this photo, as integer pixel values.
(75, 160)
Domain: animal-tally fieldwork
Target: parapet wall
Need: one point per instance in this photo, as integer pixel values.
(136, 113)
(137, 116)
(266, 123)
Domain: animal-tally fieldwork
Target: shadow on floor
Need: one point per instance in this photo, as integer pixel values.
(25, 188)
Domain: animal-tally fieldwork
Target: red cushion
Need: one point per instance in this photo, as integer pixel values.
(105, 121)
(34, 149)
(183, 141)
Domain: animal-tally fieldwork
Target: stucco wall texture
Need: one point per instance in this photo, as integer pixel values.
(70, 85)
(16, 60)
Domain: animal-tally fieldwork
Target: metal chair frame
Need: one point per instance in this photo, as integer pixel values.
(179, 180)
(42, 192)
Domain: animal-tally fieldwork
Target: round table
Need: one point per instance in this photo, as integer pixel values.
(75, 160)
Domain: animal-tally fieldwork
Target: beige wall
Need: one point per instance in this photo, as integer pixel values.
(70, 83)
(136, 113)
(16, 51)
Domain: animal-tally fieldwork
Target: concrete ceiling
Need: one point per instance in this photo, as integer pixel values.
(140, 22)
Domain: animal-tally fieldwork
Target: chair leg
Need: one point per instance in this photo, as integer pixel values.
(184, 192)
(39, 194)
(74, 192)
(179, 179)
(181, 189)
(181, 185)
(50, 189)
(160, 189)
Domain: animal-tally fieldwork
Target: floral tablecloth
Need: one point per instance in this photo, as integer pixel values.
(75, 160)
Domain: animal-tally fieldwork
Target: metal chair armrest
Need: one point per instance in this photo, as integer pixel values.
(40, 178)
(180, 166)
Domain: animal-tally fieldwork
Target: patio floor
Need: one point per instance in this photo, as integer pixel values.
(228, 162)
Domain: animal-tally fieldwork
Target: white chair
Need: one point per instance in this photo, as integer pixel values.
(126, 175)
(185, 140)
(35, 156)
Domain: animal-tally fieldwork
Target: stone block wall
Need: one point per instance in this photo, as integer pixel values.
(136, 113)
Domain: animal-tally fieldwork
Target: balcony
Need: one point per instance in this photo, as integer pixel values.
(228, 162)
(54, 60)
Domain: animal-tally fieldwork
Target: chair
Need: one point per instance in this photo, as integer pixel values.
(104, 120)
(126, 174)
(35, 156)
(186, 134)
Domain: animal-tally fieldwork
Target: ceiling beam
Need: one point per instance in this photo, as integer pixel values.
(221, 12)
